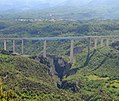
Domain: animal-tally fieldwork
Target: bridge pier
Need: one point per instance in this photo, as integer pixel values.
(44, 49)
(22, 47)
(107, 42)
(13, 46)
(102, 40)
(88, 55)
(95, 43)
(113, 40)
(5, 45)
(72, 52)
(89, 45)
(90, 41)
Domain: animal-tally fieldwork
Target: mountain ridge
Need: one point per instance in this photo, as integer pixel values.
(69, 10)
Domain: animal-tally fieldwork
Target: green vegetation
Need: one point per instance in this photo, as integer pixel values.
(11, 28)
(96, 79)
(58, 28)
(99, 78)
(26, 79)
(67, 10)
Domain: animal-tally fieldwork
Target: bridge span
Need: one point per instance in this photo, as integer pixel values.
(45, 39)
(59, 38)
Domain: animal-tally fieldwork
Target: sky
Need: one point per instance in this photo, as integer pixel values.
(29, 3)
(11, 3)
(43, 1)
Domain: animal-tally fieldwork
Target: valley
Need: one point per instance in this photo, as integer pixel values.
(91, 77)
(59, 50)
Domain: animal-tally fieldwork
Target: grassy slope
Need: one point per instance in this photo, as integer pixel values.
(99, 78)
(26, 79)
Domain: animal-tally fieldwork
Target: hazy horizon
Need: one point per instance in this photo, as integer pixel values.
(3, 2)
(63, 9)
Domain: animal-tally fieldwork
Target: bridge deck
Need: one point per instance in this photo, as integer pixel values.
(60, 38)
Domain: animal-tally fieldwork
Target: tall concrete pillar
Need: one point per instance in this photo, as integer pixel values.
(72, 52)
(22, 50)
(102, 40)
(5, 45)
(89, 45)
(107, 42)
(113, 40)
(95, 43)
(13, 46)
(90, 41)
(88, 55)
(44, 49)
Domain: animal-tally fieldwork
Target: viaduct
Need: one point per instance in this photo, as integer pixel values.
(111, 38)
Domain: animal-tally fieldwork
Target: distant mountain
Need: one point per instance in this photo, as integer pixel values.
(69, 9)
(84, 10)
(104, 2)
(76, 3)
(107, 9)
(25, 5)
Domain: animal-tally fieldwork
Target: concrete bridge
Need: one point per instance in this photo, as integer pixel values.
(95, 39)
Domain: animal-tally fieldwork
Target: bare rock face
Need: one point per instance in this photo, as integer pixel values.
(116, 45)
(61, 67)
(57, 65)
(73, 86)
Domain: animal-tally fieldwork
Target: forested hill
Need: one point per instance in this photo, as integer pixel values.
(87, 79)
(58, 28)
(67, 10)
(85, 10)
(23, 79)
(97, 78)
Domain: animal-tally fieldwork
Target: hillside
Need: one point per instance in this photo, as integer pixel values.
(77, 3)
(30, 79)
(83, 10)
(86, 10)
(95, 79)
(98, 78)
(28, 76)
(51, 29)
(25, 79)
(67, 10)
